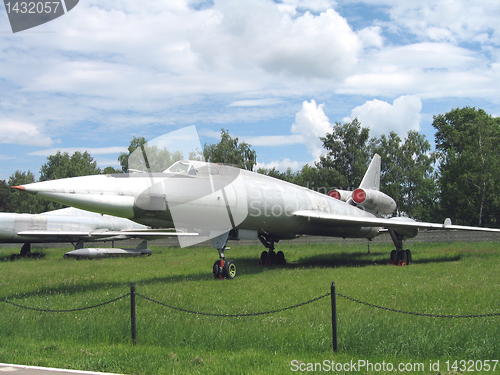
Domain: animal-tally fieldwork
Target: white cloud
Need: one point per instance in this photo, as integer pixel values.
(381, 117)
(256, 34)
(71, 150)
(312, 123)
(371, 37)
(22, 133)
(428, 70)
(108, 70)
(312, 5)
(274, 140)
(451, 20)
(255, 103)
(282, 165)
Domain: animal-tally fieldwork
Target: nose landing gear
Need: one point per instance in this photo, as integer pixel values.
(223, 268)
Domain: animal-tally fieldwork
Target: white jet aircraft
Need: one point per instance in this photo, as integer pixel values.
(219, 202)
(75, 226)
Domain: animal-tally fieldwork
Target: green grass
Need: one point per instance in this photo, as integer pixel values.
(446, 279)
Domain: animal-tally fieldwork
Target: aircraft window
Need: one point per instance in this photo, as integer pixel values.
(182, 168)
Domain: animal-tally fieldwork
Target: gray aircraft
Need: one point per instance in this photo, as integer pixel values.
(75, 226)
(220, 202)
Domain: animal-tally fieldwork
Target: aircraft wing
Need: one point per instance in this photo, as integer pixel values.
(392, 223)
(101, 234)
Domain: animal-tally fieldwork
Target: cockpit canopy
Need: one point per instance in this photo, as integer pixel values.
(181, 167)
(192, 168)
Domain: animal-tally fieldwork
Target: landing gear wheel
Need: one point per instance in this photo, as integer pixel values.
(217, 269)
(263, 256)
(229, 269)
(392, 259)
(408, 257)
(280, 257)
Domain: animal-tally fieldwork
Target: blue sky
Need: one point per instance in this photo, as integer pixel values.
(275, 74)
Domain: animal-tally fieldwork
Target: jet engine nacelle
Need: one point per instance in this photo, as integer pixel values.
(374, 200)
(342, 195)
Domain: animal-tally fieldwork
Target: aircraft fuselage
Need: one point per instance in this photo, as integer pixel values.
(205, 196)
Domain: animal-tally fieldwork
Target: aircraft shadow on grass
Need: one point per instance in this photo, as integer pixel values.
(248, 265)
(348, 259)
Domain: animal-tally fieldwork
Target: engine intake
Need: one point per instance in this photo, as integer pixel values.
(374, 200)
(342, 195)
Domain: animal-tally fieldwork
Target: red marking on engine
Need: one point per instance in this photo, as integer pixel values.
(359, 196)
(334, 194)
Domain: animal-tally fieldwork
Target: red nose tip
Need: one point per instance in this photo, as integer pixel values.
(19, 187)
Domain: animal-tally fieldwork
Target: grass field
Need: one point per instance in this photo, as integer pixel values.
(445, 279)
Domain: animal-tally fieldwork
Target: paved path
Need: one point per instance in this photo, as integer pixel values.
(32, 370)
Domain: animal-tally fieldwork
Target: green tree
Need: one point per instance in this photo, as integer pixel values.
(5, 197)
(321, 180)
(22, 202)
(152, 159)
(288, 175)
(347, 155)
(61, 165)
(408, 174)
(146, 158)
(468, 144)
(111, 170)
(136, 142)
(229, 151)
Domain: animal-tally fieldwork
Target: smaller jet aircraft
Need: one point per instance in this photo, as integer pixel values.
(75, 226)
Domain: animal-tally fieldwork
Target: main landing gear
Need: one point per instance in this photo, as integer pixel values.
(270, 257)
(399, 257)
(26, 253)
(223, 268)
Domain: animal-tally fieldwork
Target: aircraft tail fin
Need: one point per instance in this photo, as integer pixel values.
(371, 180)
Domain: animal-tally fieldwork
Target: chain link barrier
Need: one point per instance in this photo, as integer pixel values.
(234, 315)
(252, 314)
(415, 313)
(69, 310)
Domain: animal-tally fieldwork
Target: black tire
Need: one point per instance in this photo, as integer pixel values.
(408, 257)
(216, 269)
(393, 255)
(230, 269)
(280, 257)
(263, 256)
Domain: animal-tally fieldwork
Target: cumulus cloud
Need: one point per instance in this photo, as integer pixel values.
(282, 165)
(23, 133)
(371, 37)
(382, 117)
(258, 34)
(312, 123)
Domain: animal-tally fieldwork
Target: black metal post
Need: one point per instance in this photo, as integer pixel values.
(334, 318)
(132, 311)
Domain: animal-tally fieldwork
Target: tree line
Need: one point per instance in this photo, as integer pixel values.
(459, 179)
